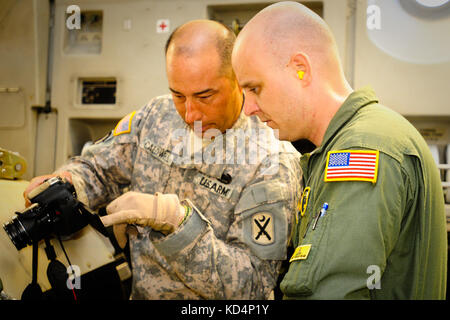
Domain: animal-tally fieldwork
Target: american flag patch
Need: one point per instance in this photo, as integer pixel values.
(352, 165)
(124, 125)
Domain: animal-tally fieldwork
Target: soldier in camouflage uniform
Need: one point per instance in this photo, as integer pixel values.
(222, 225)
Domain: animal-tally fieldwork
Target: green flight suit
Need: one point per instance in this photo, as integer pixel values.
(388, 235)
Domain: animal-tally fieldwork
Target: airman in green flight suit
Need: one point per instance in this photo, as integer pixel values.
(371, 222)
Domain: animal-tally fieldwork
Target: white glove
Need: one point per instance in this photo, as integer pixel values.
(161, 212)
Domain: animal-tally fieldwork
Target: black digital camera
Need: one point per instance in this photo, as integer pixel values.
(55, 210)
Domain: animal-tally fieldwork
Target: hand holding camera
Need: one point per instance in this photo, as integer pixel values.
(162, 212)
(55, 210)
(38, 181)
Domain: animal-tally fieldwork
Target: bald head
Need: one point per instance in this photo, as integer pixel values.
(286, 28)
(287, 61)
(198, 36)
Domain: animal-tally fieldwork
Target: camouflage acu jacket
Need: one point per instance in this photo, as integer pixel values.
(232, 245)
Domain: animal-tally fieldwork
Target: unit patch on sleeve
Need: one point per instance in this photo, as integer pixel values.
(352, 165)
(262, 228)
(124, 125)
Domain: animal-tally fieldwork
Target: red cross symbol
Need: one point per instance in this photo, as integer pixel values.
(162, 26)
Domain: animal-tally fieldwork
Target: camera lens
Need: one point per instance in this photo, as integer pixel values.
(17, 233)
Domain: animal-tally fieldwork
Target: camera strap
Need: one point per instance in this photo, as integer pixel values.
(63, 273)
(33, 291)
(56, 271)
(35, 262)
(94, 220)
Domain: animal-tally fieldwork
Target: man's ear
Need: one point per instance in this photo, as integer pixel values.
(301, 67)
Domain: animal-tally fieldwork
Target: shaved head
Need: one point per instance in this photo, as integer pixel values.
(287, 61)
(285, 28)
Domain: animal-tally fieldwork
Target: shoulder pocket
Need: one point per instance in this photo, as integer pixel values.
(263, 218)
(263, 192)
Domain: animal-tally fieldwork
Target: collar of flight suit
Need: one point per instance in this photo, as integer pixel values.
(354, 102)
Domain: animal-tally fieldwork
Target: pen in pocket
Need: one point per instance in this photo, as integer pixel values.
(322, 212)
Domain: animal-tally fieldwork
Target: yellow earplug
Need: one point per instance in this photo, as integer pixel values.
(300, 74)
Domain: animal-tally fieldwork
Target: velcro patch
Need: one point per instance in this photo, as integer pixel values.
(352, 165)
(263, 228)
(124, 125)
